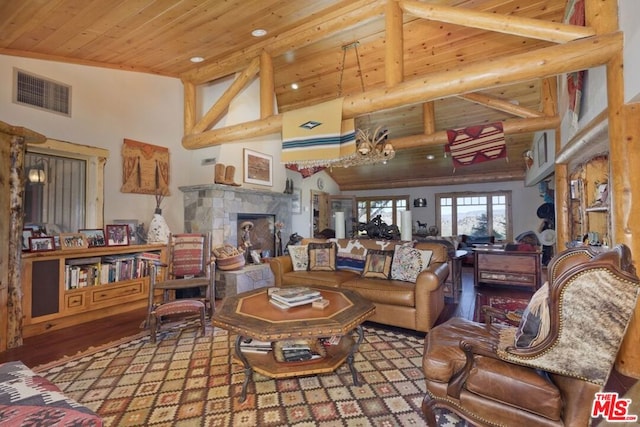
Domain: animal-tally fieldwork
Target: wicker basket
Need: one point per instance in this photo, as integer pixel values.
(231, 263)
(229, 258)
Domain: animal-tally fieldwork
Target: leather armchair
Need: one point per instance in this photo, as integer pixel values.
(485, 374)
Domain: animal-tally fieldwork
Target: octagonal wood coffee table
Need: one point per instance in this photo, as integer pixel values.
(251, 315)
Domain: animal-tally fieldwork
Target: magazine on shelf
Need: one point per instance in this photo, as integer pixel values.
(294, 294)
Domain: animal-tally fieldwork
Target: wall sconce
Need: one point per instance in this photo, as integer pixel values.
(37, 174)
(420, 202)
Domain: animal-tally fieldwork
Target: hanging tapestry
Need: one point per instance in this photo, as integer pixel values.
(575, 15)
(145, 168)
(305, 172)
(317, 135)
(476, 144)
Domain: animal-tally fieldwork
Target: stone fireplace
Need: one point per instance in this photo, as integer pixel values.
(216, 208)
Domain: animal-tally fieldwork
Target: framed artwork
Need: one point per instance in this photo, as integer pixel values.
(542, 149)
(117, 235)
(42, 244)
(95, 237)
(258, 168)
(27, 233)
(296, 202)
(70, 241)
(132, 224)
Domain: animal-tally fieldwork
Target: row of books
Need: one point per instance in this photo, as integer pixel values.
(289, 351)
(93, 271)
(292, 297)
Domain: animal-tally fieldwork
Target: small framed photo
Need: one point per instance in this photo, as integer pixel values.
(42, 244)
(258, 168)
(95, 237)
(27, 233)
(117, 235)
(132, 224)
(70, 241)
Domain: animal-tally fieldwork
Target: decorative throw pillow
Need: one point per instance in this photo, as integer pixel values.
(535, 324)
(322, 256)
(377, 264)
(299, 257)
(346, 261)
(408, 262)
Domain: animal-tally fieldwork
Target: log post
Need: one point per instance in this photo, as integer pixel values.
(13, 142)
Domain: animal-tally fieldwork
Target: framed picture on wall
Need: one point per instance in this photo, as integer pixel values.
(542, 149)
(258, 168)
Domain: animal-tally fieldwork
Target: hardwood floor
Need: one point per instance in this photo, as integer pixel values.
(54, 345)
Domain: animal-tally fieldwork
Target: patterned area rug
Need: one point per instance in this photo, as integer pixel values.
(190, 380)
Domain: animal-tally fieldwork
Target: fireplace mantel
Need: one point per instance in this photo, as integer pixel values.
(214, 208)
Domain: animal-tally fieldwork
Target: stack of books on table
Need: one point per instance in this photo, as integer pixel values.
(293, 297)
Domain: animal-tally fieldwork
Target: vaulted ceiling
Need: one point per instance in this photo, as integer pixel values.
(305, 40)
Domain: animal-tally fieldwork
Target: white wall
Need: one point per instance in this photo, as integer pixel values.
(108, 106)
(629, 11)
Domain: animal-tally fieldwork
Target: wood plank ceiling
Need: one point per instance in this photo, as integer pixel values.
(160, 36)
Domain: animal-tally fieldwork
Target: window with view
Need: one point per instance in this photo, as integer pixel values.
(388, 207)
(475, 214)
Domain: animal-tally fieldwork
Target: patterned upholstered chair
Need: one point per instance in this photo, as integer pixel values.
(189, 265)
(547, 371)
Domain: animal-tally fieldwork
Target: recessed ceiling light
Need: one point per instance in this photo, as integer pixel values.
(430, 157)
(196, 59)
(259, 32)
(294, 86)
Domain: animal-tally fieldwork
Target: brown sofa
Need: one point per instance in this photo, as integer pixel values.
(398, 303)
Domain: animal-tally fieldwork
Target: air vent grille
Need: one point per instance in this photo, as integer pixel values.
(42, 93)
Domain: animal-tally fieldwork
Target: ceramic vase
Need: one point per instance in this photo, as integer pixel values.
(158, 229)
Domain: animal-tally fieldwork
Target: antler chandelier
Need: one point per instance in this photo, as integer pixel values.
(371, 147)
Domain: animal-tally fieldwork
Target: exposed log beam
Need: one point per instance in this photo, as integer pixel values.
(541, 63)
(189, 107)
(428, 117)
(549, 96)
(267, 86)
(216, 111)
(434, 182)
(546, 62)
(393, 61)
(511, 127)
(506, 24)
(501, 105)
(317, 29)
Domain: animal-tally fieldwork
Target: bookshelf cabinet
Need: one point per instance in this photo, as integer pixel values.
(108, 281)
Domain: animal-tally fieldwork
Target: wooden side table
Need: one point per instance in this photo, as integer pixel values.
(507, 268)
(453, 284)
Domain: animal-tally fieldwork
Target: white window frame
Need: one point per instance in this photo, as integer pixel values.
(489, 195)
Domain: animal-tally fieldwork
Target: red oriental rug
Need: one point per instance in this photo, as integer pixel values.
(512, 303)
